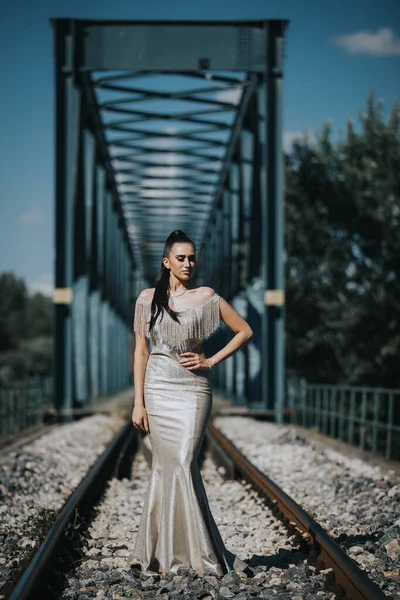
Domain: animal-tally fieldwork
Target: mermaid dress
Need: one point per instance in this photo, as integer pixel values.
(176, 526)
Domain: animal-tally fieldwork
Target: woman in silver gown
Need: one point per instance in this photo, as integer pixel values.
(173, 401)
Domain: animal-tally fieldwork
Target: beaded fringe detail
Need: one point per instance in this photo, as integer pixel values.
(197, 323)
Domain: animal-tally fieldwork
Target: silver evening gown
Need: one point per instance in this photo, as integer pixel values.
(177, 527)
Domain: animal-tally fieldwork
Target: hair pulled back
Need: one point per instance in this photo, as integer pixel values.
(161, 296)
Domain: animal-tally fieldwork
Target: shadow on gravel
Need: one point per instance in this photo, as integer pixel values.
(357, 540)
(282, 560)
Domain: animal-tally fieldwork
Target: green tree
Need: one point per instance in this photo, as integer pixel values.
(38, 316)
(342, 268)
(25, 331)
(370, 162)
(13, 298)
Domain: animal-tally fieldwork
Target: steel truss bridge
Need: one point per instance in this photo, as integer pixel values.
(166, 125)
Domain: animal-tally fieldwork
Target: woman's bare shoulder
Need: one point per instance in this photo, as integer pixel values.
(205, 292)
(147, 294)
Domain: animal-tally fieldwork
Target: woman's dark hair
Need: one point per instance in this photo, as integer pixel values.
(160, 298)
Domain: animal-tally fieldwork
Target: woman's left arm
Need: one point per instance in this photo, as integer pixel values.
(242, 330)
(243, 333)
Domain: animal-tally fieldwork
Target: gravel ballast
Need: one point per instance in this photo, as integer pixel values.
(37, 479)
(278, 569)
(356, 503)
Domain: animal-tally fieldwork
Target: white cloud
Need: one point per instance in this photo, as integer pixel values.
(134, 230)
(230, 95)
(170, 158)
(162, 143)
(289, 137)
(170, 129)
(33, 217)
(382, 43)
(167, 171)
(43, 284)
(120, 177)
(118, 150)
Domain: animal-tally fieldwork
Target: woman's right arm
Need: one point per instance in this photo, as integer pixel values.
(140, 358)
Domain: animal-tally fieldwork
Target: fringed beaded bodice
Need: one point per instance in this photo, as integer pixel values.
(197, 323)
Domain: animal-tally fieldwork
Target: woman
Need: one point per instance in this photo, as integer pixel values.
(173, 401)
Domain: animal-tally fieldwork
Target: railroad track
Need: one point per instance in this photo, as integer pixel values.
(114, 462)
(350, 581)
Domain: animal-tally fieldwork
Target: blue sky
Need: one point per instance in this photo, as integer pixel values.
(336, 53)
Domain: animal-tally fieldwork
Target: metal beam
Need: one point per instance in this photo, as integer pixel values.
(67, 117)
(230, 46)
(149, 151)
(191, 135)
(187, 117)
(274, 219)
(189, 74)
(153, 95)
(234, 139)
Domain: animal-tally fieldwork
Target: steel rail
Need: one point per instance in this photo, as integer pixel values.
(33, 581)
(355, 582)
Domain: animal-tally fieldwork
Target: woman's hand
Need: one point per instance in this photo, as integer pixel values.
(194, 361)
(139, 418)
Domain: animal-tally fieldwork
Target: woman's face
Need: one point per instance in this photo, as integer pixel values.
(181, 261)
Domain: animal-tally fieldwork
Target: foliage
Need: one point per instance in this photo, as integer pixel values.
(343, 253)
(25, 331)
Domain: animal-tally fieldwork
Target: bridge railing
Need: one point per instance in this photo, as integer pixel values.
(365, 416)
(22, 405)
